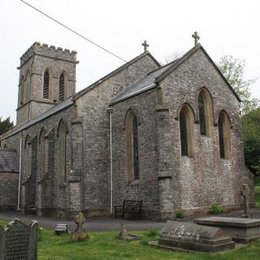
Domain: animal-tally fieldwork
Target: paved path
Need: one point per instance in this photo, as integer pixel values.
(92, 224)
(107, 224)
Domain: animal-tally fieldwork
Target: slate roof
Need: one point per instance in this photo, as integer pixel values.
(145, 83)
(111, 74)
(8, 161)
(151, 79)
(60, 106)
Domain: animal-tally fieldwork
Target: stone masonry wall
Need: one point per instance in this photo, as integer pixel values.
(204, 178)
(92, 108)
(8, 188)
(51, 198)
(146, 187)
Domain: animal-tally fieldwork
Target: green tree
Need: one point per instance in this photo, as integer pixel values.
(251, 133)
(5, 125)
(233, 70)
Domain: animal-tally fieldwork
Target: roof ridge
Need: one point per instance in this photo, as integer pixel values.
(117, 70)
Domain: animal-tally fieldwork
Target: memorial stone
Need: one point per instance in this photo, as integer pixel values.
(241, 230)
(245, 196)
(189, 236)
(79, 234)
(18, 241)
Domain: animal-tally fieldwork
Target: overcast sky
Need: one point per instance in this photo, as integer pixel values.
(226, 27)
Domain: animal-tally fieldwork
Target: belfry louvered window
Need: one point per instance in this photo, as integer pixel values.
(46, 81)
(61, 87)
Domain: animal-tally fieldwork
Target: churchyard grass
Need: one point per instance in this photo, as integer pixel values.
(103, 245)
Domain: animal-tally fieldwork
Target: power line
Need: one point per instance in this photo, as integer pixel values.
(73, 31)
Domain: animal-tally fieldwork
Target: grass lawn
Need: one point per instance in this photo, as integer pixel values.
(103, 245)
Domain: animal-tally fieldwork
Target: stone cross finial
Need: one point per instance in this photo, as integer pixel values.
(80, 220)
(245, 195)
(146, 45)
(196, 37)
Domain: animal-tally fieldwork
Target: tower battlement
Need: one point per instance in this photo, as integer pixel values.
(48, 51)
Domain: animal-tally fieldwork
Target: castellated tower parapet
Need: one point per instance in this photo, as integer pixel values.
(47, 77)
(50, 51)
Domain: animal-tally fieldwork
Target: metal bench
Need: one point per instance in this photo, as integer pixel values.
(131, 209)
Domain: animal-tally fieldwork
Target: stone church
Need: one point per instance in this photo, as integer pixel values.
(167, 135)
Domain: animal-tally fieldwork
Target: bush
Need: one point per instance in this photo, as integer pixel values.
(215, 209)
(179, 214)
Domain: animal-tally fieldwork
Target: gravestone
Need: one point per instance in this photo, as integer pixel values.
(242, 230)
(79, 234)
(18, 241)
(189, 236)
(61, 229)
(123, 235)
(245, 196)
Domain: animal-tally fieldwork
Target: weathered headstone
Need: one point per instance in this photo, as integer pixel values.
(242, 230)
(79, 233)
(61, 228)
(18, 241)
(189, 236)
(123, 234)
(245, 196)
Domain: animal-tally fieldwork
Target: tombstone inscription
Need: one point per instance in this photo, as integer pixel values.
(189, 236)
(18, 241)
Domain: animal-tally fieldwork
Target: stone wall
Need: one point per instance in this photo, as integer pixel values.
(146, 187)
(204, 178)
(8, 188)
(92, 107)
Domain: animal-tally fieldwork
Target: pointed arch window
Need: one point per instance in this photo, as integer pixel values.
(61, 87)
(62, 132)
(46, 83)
(205, 112)
(42, 152)
(224, 135)
(132, 146)
(185, 125)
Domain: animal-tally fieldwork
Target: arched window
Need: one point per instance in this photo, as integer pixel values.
(224, 135)
(27, 158)
(205, 112)
(22, 86)
(132, 146)
(185, 124)
(61, 87)
(42, 152)
(46, 83)
(62, 132)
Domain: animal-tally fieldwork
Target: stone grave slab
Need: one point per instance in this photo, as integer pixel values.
(190, 236)
(18, 241)
(241, 230)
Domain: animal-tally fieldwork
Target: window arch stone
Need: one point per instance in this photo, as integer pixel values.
(62, 134)
(224, 127)
(132, 150)
(205, 112)
(186, 119)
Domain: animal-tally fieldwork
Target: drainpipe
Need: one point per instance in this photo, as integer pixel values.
(19, 176)
(110, 111)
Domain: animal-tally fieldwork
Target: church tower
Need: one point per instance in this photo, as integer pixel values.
(47, 77)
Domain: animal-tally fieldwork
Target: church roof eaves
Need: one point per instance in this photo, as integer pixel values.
(143, 84)
(178, 62)
(111, 74)
(57, 108)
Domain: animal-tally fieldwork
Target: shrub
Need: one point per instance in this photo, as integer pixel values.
(216, 209)
(179, 214)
